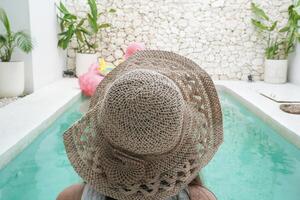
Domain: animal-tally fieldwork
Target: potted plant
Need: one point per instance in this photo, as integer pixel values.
(84, 30)
(291, 33)
(280, 42)
(12, 72)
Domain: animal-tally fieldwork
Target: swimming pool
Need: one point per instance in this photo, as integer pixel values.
(254, 162)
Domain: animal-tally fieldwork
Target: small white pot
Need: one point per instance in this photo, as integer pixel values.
(11, 79)
(83, 62)
(275, 71)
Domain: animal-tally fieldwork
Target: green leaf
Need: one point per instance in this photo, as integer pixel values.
(81, 22)
(23, 41)
(273, 26)
(259, 25)
(112, 10)
(60, 43)
(259, 12)
(5, 21)
(85, 31)
(297, 36)
(94, 46)
(65, 43)
(66, 39)
(272, 51)
(79, 36)
(291, 9)
(69, 17)
(93, 23)
(100, 13)
(297, 9)
(88, 44)
(284, 29)
(69, 26)
(61, 24)
(93, 8)
(66, 18)
(63, 33)
(62, 8)
(3, 39)
(104, 25)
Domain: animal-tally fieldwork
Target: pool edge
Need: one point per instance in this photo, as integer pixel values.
(31, 135)
(284, 131)
(34, 131)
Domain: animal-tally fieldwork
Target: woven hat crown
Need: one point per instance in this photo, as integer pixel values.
(143, 111)
(153, 123)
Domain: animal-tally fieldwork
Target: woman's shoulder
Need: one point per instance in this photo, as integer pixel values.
(201, 193)
(73, 192)
(80, 192)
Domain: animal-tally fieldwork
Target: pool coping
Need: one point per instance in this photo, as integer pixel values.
(18, 130)
(287, 125)
(63, 93)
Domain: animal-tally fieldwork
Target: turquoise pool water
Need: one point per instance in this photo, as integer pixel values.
(42, 170)
(254, 163)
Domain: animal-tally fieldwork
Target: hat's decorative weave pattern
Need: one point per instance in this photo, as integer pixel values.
(153, 123)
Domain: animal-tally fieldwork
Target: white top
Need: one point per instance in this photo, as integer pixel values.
(90, 194)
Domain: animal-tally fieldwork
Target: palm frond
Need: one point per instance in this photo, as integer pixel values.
(93, 16)
(259, 12)
(61, 7)
(104, 25)
(93, 8)
(273, 26)
(23, 41)
(5, 21)
(65, 38)
(3, 40)
(93, 23)
(259, 25)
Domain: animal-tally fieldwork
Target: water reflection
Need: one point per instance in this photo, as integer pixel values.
(253, 159)
(42, 170)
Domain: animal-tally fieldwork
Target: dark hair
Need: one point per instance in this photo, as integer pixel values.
(195, 182)
(109, 198)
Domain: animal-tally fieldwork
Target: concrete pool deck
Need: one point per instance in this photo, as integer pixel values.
(22, 120)
(288, 125)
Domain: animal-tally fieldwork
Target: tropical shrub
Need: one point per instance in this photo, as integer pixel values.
(10, 40)
(281, 41)
(291, 30)
(83, 29)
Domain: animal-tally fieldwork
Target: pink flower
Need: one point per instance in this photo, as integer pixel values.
(133, 48)
(89, 81)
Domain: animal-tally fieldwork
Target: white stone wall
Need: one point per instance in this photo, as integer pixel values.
(216, 34)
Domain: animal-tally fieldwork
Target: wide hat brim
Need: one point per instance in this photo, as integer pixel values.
(162, 176)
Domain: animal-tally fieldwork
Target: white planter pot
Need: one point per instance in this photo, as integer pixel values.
(276, 71)
(83, 62)
(11, 79)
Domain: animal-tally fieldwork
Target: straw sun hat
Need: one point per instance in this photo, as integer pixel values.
(153, 123)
